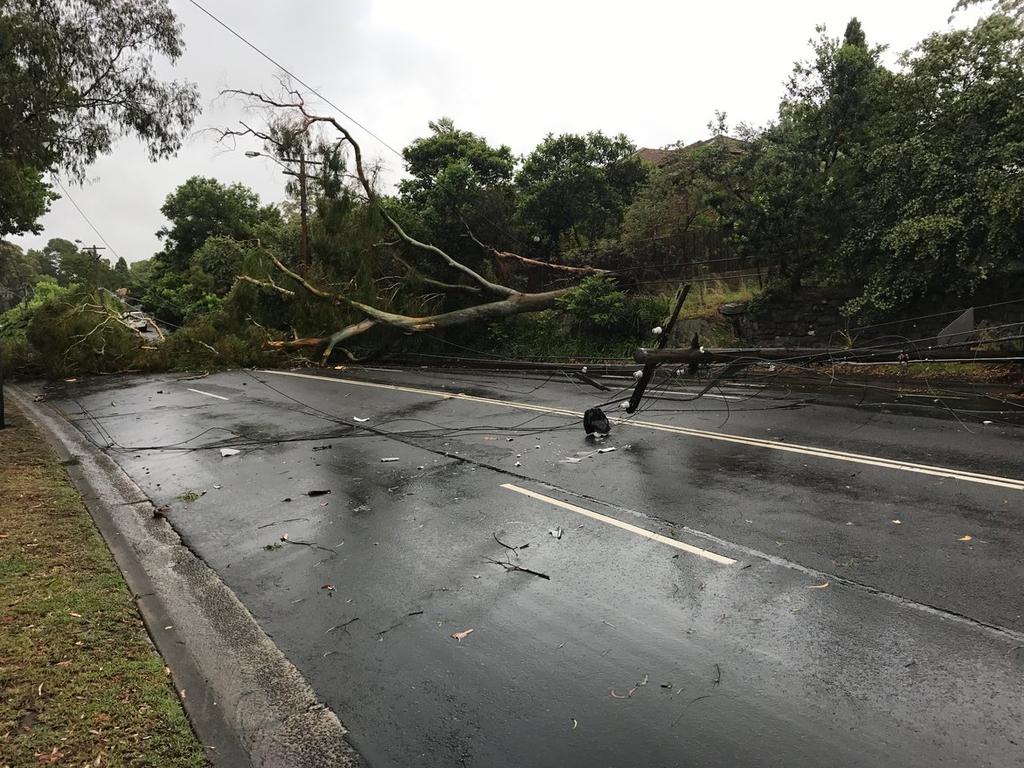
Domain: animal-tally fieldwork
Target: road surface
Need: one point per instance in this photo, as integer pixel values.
(759, 578)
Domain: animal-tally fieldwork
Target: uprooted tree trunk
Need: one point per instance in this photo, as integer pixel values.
(506, 302)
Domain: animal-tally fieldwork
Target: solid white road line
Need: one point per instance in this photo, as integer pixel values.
(806, 450)
(208, 394)
(713, 556)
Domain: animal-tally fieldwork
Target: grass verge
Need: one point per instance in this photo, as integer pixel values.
(80, 682)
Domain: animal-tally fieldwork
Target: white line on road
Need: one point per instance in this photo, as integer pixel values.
(713, 556)
(806, 450)
(208, 394)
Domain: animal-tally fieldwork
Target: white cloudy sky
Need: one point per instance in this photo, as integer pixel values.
(511, 71)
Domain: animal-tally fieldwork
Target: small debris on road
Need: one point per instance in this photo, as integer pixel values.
(161, 512)
(965, 537)
(189, 496)
(574, 723)
(341, 626)
(667, 686)
(313, 494)
(897, 522)
(818, 586)
(556, 532)
(388, 459)
(513, 567)
(225, 452)
(328, 587)
(322, 447)
(606, 450)
(360, 420)
(460, 635)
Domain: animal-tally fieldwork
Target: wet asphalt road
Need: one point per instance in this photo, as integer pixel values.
(801, 625)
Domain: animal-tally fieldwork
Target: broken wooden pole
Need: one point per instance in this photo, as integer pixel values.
(704, 356)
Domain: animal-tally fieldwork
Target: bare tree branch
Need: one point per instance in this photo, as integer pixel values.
(510, 302)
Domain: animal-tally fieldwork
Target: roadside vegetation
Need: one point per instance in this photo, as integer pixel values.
(80, 682)
(890, 185)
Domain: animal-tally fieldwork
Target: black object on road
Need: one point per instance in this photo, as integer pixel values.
(594, 421)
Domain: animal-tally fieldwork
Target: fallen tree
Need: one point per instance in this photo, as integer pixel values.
(504, 301)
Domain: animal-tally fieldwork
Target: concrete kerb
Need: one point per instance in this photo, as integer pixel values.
(248, 704)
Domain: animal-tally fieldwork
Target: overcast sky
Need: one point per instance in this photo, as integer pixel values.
(510, 71)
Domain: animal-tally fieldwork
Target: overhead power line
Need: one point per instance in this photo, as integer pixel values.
(296, 78)
(86, 218)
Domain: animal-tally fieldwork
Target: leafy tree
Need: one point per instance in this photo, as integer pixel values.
(203, 207)
(218, 262)
(803, 168)
(459, 179)
(1011, 8)
(121, 272)
(940, 207)
(574, 190)
(77, 75)
(688, 194)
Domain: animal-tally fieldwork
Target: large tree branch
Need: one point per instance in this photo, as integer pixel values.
(310, 119)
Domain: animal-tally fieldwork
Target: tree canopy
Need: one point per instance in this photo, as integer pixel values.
(78, 74)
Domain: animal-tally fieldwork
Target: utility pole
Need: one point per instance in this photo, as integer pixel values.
(303, 210)
(301, 175)
(94, 250)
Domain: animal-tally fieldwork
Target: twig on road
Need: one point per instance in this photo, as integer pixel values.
(280, 522)
(312, 544)
(691, 701)
(514, 567)
(342, 626)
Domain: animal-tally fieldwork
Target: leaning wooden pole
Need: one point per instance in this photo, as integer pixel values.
(666, 332)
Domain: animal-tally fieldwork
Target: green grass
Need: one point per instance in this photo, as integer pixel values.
(80, 681)
(705, 298)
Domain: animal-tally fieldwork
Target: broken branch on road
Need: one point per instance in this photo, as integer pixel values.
(513, 567)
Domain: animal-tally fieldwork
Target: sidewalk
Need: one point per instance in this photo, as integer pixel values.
(80, 681)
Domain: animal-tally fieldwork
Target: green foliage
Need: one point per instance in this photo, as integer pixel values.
(76, 332)
(577, 188)
(202, 208)
(211, 341)
(77, 75)
(597, 306)
(943, 214)
(457, 180)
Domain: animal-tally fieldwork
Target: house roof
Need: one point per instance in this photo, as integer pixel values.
(661, 157)
(656, 157)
